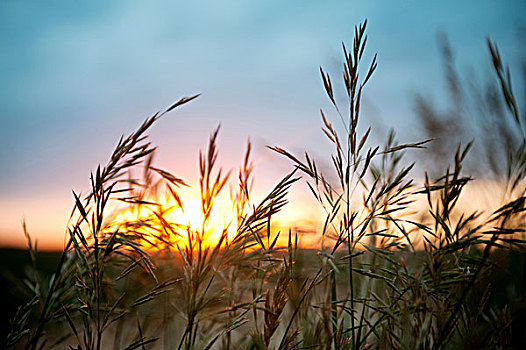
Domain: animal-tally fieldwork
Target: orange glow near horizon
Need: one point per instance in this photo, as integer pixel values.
(173, 223)
(302, 215)
(167, 221)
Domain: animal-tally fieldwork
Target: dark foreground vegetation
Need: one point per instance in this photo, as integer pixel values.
(399, 265)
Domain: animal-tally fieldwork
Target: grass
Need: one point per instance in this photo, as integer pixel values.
(381, 277)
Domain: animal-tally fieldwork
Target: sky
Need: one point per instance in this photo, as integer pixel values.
(78, 75)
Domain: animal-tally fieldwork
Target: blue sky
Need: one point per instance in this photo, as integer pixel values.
(77, 75)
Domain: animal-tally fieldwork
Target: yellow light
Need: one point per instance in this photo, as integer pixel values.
(190, 216)
(167, 220)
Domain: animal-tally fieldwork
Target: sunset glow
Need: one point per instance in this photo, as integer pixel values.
(303, 216)
(167, 221)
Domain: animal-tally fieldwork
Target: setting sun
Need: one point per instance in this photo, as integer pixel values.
(190, 215)
(168, 221)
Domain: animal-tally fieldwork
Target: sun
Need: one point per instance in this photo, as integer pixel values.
(165, 221)
(189, 216)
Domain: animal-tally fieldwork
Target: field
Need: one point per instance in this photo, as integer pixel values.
(397, 263)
